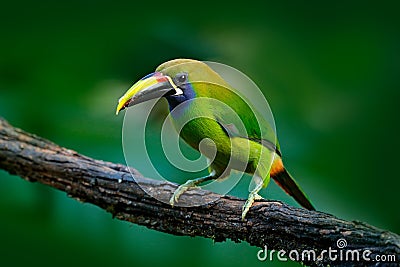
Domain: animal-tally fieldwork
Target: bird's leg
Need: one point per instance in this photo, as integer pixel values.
(189, 184)
(254, 195)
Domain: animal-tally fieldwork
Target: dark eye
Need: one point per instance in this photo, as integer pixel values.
(181, 78)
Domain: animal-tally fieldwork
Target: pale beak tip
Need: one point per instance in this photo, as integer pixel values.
(119, 108)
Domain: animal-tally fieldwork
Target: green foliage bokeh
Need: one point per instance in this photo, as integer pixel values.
(329, 71)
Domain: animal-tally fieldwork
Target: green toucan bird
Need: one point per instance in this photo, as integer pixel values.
(212, 129)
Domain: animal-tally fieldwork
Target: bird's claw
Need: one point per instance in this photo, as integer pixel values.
(180, 190)
(249, 202)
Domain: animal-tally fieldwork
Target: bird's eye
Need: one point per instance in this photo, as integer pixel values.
(181, 78)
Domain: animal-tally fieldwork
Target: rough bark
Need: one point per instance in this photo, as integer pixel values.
(113, 188)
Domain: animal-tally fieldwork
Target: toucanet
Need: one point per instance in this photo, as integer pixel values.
(212, 130)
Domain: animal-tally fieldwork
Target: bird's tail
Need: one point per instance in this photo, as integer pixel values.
(284, 180)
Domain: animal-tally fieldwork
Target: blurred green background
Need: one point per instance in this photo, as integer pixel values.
(329, 71)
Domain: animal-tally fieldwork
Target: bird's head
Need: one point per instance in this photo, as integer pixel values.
(175, 80)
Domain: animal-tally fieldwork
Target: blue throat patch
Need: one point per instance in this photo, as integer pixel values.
(175, 100)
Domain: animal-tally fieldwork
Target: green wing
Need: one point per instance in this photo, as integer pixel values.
(244, 121)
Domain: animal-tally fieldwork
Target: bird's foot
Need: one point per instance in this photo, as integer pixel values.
(182, 189)
(249, 202)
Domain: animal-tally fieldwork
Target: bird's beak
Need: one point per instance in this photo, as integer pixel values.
(152, 86)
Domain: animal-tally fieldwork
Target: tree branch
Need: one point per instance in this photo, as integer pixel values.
(111, 187)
